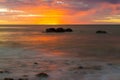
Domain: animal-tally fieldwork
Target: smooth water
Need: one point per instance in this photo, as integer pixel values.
(21, 46)
(82, 42)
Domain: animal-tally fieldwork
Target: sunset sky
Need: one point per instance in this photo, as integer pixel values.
(59, 12)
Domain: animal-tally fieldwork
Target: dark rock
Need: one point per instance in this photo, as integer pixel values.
(60, 30)
(68, 30)
(90, 67)
(4, 71)
(80, 67)
(50, 30)
(36, 63)
(101, 32)
(8, 79)
(42, 75)
(1, 71)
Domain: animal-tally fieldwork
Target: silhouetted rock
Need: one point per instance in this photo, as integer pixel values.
(101, 32)
(50, 30)
(42, 75)
(58, 30)
(68, 30)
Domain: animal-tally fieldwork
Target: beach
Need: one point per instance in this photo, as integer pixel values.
(26, 51)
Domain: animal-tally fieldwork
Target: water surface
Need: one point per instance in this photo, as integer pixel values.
(56, 53)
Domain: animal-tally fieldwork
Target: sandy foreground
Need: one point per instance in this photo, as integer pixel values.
(22, 63)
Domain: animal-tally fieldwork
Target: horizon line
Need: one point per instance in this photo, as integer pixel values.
(51, 24)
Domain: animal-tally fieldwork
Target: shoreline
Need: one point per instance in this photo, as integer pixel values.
(57, 67)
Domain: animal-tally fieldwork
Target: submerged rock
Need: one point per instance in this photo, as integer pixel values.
(4, 71)
(80, 67)
(1, 71)
(35, 63)
(88, 68)
(42, 75)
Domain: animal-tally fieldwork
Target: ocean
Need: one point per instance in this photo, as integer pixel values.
(58, 54)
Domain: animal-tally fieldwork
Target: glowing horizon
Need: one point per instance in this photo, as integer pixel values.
(54, 12)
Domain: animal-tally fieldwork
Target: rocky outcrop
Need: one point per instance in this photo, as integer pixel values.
(58, 30)
(51, 30)
(42, 75)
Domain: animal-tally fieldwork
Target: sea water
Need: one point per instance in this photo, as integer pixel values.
(59, 53)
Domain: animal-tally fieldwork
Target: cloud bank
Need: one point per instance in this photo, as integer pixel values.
(68, 11)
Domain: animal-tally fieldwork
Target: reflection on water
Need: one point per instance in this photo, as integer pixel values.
(82, 42)
(59, 54)
(32, 40)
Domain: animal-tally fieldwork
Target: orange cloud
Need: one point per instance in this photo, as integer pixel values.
(60, 13)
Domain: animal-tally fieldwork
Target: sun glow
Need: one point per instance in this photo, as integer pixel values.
(51, 17)
(111, 19)
(49, 20)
